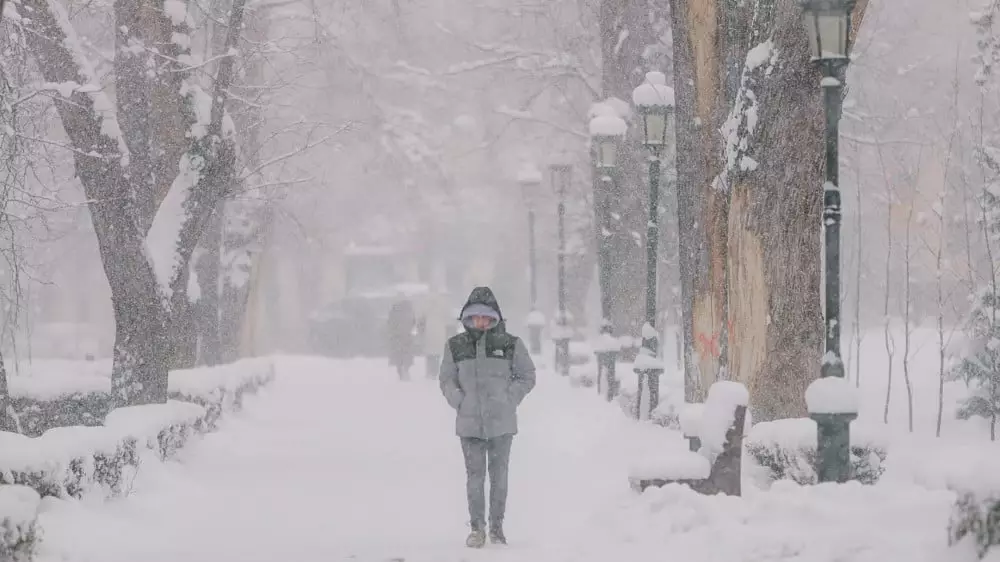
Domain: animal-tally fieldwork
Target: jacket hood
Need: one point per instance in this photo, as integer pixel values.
(483, 296)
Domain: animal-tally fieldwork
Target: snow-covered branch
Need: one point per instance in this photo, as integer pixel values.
(88, 114)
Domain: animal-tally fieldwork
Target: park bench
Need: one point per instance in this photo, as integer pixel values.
(712, 462)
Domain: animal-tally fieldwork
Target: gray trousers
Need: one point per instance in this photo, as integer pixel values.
(480, 455)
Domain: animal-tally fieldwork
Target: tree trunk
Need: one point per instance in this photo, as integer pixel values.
(246, 233)
(699, 75)
(6, 423)
(750, 214)
(626, 31)
(139, 371)
(207, 268)
(115, 166)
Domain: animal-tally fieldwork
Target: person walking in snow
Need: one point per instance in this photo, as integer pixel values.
(402, 322)
(485, 374)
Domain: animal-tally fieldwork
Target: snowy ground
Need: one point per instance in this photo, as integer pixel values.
(337, 460)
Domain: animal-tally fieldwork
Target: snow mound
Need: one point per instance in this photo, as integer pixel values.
(605, 343)
(646, 361)
(719, 413)
(690, 419)
(148, 421)
(832, 395)
(608, 126)
(535, 319)
(654, 91)
(670, 465)
(207, 382)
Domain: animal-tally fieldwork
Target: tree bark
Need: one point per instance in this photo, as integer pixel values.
(626, 30)
(117, 183)
(700, 74)
(750, 244)
(139, 372)
(208, 267)
(6, 423)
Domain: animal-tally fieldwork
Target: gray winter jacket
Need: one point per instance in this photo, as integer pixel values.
(485, 376)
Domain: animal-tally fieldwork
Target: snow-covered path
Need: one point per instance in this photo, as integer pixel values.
(338, 461)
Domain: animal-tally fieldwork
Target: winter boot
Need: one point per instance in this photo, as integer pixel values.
(477, 539)
(497, 536)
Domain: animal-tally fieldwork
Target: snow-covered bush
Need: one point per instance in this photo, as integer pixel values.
(18, 515)
(33, 416)
(40, 405)
(787, 450)
(981, 368)
(74, 461)
(667, 411)
(976, 519)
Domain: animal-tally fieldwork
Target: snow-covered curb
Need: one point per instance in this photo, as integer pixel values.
(46, 402)
(76, 460)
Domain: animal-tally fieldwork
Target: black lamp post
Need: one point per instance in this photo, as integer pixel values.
(560, 176)
(655, 102)
(607, 129)
(828, 26)
(530, 180)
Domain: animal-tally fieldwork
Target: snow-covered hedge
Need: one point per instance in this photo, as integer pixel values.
(666, 413)
(75, 460)
(975, 522)
(974, 527)
(46, 402)
(787, 450)
(18, 516)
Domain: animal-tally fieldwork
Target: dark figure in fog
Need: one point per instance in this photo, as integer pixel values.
(400, 329)
(485, 374)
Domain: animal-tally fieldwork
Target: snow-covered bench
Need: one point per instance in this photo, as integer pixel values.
(716, 429)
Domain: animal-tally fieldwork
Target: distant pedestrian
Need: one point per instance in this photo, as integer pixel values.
(485, 374)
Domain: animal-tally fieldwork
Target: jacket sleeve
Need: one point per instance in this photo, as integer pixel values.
(523, 370)
(448, 379)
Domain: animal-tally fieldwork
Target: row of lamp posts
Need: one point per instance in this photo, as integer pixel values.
(654, 101)
(828, 26)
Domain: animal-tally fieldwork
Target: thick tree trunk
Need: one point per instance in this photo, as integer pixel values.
(626, 31)
(750, 213)
(700, 76)
(139, 372)
(115, 166)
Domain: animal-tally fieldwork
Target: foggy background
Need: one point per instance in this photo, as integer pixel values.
(404, 123)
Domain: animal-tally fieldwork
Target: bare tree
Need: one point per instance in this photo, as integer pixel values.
(116, 159)
(907, 327)
(890, 342)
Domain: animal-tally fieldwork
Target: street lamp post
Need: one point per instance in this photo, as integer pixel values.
(560, 177)
(607, 129)
(655, 102)
(828, 26)
(531, 180)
